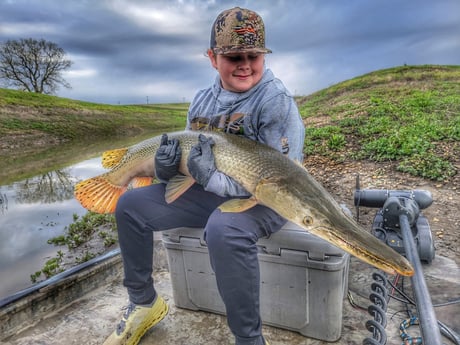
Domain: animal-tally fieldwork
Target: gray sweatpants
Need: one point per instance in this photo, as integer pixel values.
(231, 239)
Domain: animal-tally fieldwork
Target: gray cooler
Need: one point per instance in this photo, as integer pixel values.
(303, 279)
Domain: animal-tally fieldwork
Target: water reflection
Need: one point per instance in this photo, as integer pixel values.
(3, 203)
(51, 187)
(38, 208)
(35, 209)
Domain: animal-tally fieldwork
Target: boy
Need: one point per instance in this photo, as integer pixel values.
(245, 99)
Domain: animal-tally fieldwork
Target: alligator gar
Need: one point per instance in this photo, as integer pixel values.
(270, 177)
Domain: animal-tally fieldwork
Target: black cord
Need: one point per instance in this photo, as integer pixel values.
(379, 298)
(405, 298)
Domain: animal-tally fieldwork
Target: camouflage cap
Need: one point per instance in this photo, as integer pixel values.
(238, 30)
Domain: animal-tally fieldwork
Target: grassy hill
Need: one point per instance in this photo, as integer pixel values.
(30, 114)
(408, 114)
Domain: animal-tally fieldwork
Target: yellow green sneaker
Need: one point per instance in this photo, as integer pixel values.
(136, 321)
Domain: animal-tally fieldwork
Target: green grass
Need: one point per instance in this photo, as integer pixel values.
(82, 230)
(409, 115)
(78, 233)
(68, 119)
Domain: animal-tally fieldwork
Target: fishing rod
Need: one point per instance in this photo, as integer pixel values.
(400, 224)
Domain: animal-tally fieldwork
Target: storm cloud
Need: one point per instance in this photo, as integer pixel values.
(131, 51)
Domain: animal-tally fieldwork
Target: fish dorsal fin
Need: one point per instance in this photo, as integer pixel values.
(141, 182)
(238, 205)
(112, 157)
(177, 186)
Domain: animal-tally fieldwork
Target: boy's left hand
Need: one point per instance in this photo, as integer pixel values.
(201, 163)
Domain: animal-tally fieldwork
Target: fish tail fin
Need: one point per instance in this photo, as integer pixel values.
(112, 157)
(98, 195)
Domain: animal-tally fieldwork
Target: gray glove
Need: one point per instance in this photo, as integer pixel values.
(201, 163)
(167, 159)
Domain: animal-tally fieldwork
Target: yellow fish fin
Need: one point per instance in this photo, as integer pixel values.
(238, 205)
(177, 186)
(98, 195)
(112, 157)
(141, 181)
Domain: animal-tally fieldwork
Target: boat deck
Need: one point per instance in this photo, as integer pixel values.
(91, 318)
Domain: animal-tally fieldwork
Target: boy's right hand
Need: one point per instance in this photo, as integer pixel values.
(167, 159)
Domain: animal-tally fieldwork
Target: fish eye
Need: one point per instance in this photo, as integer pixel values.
(308, 220)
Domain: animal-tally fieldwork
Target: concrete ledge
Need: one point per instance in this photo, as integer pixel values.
(26, 308)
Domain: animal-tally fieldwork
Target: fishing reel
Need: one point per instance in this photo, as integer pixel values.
(391, 204)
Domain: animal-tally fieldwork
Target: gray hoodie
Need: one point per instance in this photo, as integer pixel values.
(265, 113)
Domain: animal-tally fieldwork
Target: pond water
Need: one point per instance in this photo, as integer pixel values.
(36, 209)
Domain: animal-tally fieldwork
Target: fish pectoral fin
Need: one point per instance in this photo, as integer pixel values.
(177, 186)
(267, 189)
(112, 157)
(238, 205)
(141, 181)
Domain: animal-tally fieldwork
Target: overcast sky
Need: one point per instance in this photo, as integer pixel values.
(128, 51)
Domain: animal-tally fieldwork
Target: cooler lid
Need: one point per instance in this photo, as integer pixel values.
(291, 236)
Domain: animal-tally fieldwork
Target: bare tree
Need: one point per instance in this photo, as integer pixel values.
(33, 65)
(53, 186)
